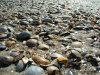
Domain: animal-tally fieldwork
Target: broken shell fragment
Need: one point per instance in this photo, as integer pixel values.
(25, 60)
(62, 60)
(30, 52)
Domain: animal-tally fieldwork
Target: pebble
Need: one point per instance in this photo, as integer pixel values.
(2, 46)
(76, 44)
(24, 22)
(43, 47)
(50, 69)
(34, 70)
(23, 36)
(20, 66)
(49, 39)
(53, 11)
(96, 44)
(6, 60)
(32, 43)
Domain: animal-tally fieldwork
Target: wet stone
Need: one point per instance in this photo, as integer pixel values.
(43, 47)
(34, 70)
(23, 36)
(32, 43)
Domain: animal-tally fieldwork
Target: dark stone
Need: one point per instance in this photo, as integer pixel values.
(23, 36)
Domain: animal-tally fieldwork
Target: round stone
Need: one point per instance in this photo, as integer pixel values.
(23, 36)
(32, 43)
(34, 70)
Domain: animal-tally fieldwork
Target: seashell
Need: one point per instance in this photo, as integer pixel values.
(24, 22)
(3, 30)
(53, 10)
(20, 66)
(76, 53)
(97, 53)
(55, 63)
(6, 60)
(36, 22)
(18, 57)
(23, 36)
(25, 60)
(34, 70)
(51, 69)
(2, 46)
(62, 60)
(3, 36)
(56, 55)
(56, 72)
(30, 52)
(47, 20)
(96, 44)
(14, 54)
(40, 61)
(76, 44)
(35, 36)
(32, 43)
(78, 28)
(10, 43)
(70, 72)
(43, 47)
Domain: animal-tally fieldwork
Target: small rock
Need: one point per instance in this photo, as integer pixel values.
(20, 66)
(32, 43)
(43, 47)
(23, 36)
(76, 44)
(2, 46)
(50, 69)
(34, 70)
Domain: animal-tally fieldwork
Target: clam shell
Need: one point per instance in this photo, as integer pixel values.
(32, 43)
(3, 36)
(56, 55)
(2, 48)
(34, 70)
(23, 36)
(6, 60)
(14, 54)
(43, 47)
(76, 53)
(62, 60)
(30, 52)
(50, 69)
(18, 57)
(10, 43)
(20, 66)
(40, 61)
(55, 63)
